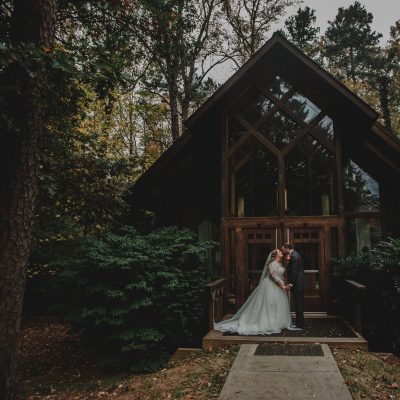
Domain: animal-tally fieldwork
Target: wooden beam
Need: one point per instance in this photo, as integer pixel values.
(300, 136)
(256, 134)
(322, 140)
(340, 193)
(237, 145)
(363, 214)
(281, 186)
(232, 178)
(225, 252)
(224, 163)
(304, 222)
(339, 172)
(282, 105)
(279, 104)
(308, 127)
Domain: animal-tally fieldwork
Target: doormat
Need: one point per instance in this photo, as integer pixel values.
(315, 327)
(284, 349)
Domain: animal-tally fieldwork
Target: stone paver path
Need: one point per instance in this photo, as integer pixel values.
(277, 377)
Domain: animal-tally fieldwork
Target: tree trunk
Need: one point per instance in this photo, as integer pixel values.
(185, 104)
(173, 104)
(32, 21)
(384, 100)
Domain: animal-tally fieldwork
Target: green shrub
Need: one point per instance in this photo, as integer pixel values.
(379, 271)
(137, 297)
(384, 260)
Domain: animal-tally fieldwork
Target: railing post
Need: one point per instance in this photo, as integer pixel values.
(357, 291)
(216, 305)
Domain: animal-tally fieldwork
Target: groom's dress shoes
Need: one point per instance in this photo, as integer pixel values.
(295, 327)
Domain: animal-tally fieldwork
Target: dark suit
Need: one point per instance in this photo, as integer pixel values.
(295, 273)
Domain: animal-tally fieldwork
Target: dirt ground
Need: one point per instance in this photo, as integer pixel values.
(54, 365)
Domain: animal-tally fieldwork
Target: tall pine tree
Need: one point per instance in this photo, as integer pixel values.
(384, 76)
(350, 43)
(301, 30)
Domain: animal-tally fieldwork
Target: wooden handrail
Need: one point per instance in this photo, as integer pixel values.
(355, 284)
(216, 305)
(217, 283)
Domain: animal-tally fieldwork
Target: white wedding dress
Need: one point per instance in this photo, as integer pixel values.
(266, 310)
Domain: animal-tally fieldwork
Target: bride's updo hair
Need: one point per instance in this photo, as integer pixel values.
(274, 253)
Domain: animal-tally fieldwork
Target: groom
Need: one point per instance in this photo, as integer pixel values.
(295, 273)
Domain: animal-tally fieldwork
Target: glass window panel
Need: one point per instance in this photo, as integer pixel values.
(363, 234)
(361, 191)
(257, 109)
(310, 176)
(303, 107)
(310, 255)
(325, 128)
(253, 187)
(278, 87)
(280, 130)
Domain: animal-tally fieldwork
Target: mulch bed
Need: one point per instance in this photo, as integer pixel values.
(315, 327)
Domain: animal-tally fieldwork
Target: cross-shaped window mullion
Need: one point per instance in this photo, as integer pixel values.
(321, 139)
(307, 129)
(277, 104)
(238, 144)
(256, 134)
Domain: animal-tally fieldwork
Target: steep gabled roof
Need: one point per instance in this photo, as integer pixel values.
(278, 40)
(287, 59)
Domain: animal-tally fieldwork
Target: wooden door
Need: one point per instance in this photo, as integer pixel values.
(309, 242)
(259, 243)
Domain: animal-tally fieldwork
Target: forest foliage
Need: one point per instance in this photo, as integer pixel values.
(123, 77)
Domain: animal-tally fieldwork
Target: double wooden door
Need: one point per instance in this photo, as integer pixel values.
(309, 242)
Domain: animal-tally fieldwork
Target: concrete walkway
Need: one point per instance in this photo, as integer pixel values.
(276, 377)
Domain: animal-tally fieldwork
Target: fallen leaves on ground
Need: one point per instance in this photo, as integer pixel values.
(369, 375)
(55, 365)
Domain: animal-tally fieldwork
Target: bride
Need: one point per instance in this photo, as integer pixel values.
(267, 309)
